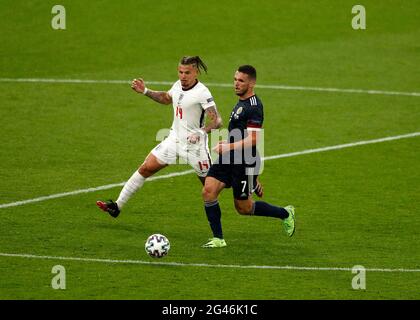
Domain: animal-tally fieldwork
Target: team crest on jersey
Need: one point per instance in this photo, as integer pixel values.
(180, 98)
(237, 113)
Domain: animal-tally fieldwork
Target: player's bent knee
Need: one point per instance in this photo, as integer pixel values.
(208, 194)
(144, 170)
(150, 166)
(243, 209)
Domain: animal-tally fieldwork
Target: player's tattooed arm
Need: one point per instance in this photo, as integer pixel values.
(158, 96)
(215, 120)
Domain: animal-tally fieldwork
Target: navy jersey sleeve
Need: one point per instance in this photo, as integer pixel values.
(255, 117)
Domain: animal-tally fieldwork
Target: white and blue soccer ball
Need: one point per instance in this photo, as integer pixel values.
(157, 245)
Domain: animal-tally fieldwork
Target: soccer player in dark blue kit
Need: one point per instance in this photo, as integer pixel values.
(239, 163)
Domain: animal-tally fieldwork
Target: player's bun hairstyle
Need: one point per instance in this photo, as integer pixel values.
(196, 61)
(249, 70)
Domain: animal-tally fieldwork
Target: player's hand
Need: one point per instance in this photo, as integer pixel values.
(222, 147)
(196, 136)
(259, 189)
(138, 85)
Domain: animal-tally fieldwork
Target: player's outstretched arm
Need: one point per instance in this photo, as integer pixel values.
(158, 96)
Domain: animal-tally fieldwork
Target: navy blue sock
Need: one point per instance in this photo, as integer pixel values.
(262, 208)
(213, 215)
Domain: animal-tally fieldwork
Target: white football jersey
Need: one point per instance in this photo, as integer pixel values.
(189, 106)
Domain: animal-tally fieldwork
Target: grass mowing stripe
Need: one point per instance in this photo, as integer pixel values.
(204, 265)
(175, 174)
(222, 85)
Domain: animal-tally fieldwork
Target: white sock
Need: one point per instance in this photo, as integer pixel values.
(133, 184)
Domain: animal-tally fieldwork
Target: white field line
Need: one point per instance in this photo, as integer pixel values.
(175, 174)
(343, 146)
(105, 187)
(222, 85)
(205, 265)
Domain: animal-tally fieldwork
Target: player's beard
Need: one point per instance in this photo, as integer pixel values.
(241, 93)
(185, 85)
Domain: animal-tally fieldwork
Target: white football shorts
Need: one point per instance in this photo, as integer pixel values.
(196, 155)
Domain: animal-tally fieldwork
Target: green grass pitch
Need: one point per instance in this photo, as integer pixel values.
(354, 206)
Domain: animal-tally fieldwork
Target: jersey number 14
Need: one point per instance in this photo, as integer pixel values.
(179, 112)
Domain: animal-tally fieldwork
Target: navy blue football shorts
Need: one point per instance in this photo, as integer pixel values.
(236, 176)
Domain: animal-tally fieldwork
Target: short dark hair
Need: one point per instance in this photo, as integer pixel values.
(249, 70)
(196, 61)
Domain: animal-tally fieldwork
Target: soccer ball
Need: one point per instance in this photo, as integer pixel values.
(157, 246)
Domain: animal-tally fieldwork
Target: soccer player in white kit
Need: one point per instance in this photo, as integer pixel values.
(191, 101)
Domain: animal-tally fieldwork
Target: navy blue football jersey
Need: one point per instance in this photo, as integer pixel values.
(246, 115)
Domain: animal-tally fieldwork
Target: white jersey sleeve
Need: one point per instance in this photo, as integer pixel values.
(171, 90)
(206, 99)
